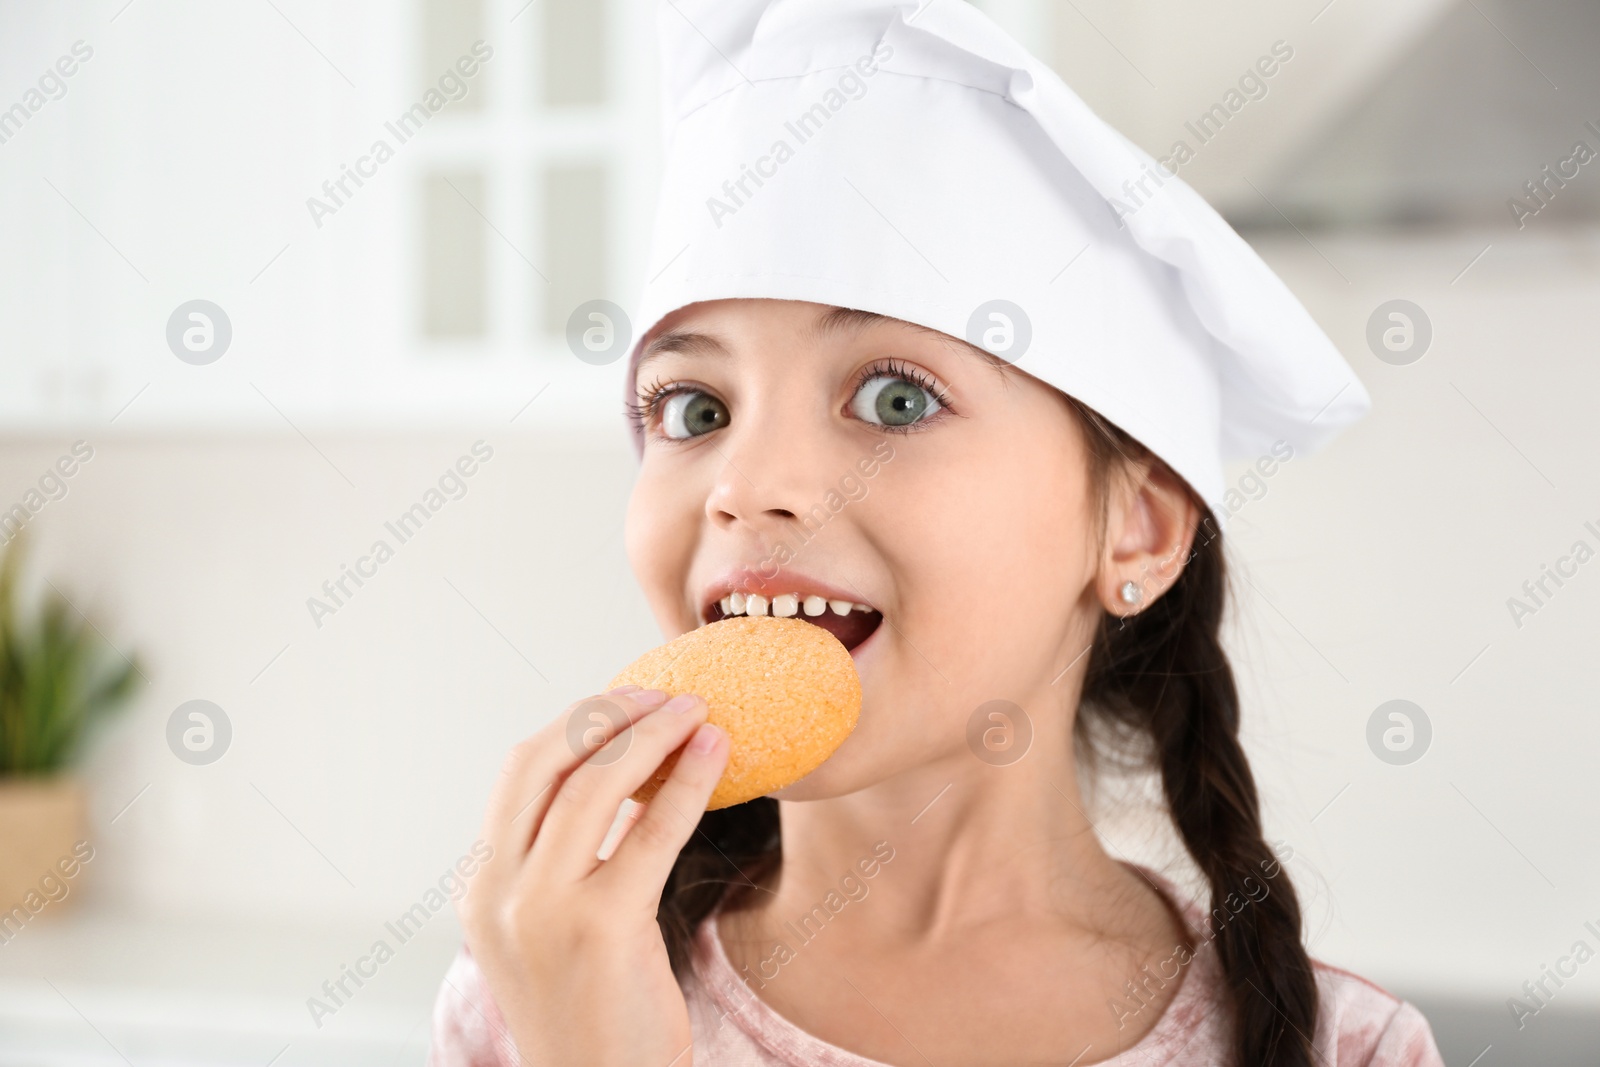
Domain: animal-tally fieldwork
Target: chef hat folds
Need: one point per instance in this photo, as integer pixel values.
(917, 162)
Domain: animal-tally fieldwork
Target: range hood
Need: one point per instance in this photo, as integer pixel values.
(1498, 105)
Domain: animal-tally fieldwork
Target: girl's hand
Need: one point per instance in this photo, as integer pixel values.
(567, 943)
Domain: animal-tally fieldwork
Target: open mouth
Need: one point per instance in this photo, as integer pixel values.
(849, 621)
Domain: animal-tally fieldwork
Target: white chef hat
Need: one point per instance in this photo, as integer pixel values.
(917, 162)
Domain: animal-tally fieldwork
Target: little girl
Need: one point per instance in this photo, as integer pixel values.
(865, 255)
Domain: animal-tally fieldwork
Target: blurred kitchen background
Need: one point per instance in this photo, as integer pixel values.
(354, 347)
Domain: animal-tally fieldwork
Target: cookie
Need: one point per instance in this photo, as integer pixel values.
(785, 692)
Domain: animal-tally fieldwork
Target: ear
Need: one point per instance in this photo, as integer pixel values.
(1150, 526)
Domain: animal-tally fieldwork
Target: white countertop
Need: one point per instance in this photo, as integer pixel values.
(91, 987)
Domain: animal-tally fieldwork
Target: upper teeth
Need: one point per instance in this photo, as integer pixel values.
(785, 604)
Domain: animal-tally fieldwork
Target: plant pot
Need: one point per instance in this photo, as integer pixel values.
(42, 822)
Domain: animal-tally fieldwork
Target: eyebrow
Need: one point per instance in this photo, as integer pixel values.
(685, 341)
(835, 321)
(854, 320)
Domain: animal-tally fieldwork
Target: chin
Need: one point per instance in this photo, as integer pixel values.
(861, 762)
(826, 782)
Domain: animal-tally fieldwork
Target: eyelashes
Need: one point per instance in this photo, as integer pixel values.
(894, 368)
(642, 412)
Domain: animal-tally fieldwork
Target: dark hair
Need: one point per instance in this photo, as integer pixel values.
(1159, 683)
(1162, 676)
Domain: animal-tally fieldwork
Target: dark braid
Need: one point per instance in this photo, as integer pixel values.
(1161, 683)
(733, 850)
(1162, 674)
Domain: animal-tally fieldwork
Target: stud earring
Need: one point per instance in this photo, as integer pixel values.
(1130, 593)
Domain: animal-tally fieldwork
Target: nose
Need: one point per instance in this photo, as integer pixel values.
(765, 477)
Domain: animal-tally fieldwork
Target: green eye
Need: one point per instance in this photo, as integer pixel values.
(888, 400)
(690, 413)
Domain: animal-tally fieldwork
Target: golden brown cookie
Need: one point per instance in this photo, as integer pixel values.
(785, 691)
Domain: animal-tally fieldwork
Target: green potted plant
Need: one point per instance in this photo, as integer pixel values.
(56, 681)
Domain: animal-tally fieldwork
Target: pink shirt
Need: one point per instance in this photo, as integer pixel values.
(1358, 1025)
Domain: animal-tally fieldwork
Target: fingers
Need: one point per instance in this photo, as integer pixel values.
(535, 768)
(586, 803)
(647, 853)
(627, 815)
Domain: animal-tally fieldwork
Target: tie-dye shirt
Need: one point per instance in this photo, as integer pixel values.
(1358, 1023)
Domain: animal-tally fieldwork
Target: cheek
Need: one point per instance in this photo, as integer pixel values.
(659, 534)
(986, 541)
(991, 556)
